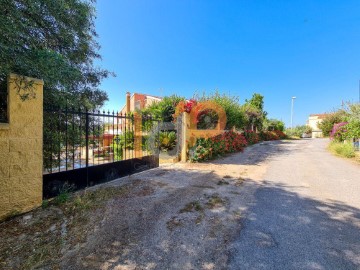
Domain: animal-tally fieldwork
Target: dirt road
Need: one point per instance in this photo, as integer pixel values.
(278, 205)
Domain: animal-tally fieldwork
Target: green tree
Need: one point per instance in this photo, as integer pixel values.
(231, 105)
(274, 124)
(330, 119)
(298, 131)
(353, 119)
(164, 109)
(54, 41)
(254, 110)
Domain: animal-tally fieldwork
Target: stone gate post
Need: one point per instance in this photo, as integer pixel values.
(21, 144)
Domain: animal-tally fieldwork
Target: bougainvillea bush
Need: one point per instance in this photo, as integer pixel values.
(228, 142)
(251, 137)
(338, 132)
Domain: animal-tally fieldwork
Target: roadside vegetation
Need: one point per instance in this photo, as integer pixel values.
(298, 131)
(61, 223)
(343, 128)
(246, 124)
(342, 149)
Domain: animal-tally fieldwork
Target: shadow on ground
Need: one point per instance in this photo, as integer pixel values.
(284, 230)
(276, 229)
(173, 218)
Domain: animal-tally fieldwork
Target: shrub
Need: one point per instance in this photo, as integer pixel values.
(227, 142)
(342, 149)
(167, 140)
(120, 142)
(164, 109)
(231, 105)
(338, 133)
(268, 136)
(280, 134)
(274, 124)
(328, 122)
(251, 136)
(353, 119)
(298, 131)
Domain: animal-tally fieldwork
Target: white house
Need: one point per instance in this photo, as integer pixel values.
(313, 121)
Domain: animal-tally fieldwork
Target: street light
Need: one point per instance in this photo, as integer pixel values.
(292, 110)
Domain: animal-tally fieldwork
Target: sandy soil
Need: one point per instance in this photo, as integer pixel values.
(180, 216)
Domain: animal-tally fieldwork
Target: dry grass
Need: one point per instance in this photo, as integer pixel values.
(35, 240)
(342, 149)
(192, 206)
(215, 201)
(357, 156)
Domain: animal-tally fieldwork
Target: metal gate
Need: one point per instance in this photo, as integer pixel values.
(84, 148)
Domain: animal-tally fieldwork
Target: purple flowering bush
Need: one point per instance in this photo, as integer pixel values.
(338, 132)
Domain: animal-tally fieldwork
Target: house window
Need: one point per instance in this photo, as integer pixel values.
(137, 105)
(3, 103)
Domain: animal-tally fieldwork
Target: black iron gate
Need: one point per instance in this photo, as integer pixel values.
(84, 148)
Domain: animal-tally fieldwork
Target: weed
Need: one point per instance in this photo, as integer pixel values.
(199, 219)
(173, 222)
(214, 201)
(45, 204)
(192, 206)
(342, 149)
(64, 194)
(357, 156)
(82, 203)
(239, 181)
(222, 182)
(61, 198)
(66, 224)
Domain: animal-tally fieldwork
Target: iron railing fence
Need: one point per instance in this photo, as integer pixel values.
(78, 138)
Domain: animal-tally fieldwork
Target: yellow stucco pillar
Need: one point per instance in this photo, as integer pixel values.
(138, 135)
(21, 142)
(185, 136)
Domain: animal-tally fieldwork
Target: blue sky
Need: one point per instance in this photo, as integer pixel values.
(280, 49)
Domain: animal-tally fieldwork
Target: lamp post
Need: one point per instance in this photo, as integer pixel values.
(292, 111)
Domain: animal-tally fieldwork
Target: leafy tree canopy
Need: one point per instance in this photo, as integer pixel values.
(353, 119)
(254, 110)
(164, 109)
(54, 41)
(256, 101)
(274, 124)
(231, 104)
(332, 118)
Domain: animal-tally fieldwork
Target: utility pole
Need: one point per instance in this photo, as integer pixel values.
(292, 111)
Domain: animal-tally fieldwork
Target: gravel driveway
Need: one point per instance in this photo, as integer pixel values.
(278, 205)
